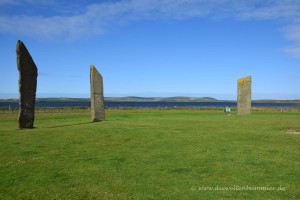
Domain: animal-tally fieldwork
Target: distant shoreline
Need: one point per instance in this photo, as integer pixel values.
(150, 99)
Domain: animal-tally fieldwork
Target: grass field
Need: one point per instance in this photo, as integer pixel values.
(151, 154)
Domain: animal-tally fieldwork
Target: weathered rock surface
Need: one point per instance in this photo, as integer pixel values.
(97, 98)
(27, 86)
(244, 96)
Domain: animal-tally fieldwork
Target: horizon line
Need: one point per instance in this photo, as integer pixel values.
(156, 97)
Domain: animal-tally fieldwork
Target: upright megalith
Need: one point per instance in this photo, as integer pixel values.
(97, 99)
(27, 86)
(244, 96)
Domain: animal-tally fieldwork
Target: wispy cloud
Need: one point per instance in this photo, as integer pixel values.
(73, 22)
(286, 11)
(270, 9)
(25, 2)
(292, 32)
(295, 51)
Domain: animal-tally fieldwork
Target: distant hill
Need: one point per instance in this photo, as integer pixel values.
(124, 99)
(188, 99)
(150, 99)
(132, 98)
(161, 99)
(64, 99)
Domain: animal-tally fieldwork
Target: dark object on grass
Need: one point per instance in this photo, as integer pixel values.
(27, 86)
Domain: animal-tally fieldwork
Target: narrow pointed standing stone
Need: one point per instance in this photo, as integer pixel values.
(244, 96)
(97, 99)
(27, 86)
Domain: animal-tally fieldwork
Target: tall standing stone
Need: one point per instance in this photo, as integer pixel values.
(244, 96)
(97, 99)
(27, 86)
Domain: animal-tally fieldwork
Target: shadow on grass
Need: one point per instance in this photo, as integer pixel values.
(66, 125)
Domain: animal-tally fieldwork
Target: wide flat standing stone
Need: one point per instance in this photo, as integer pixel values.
(244, 96)
(97, 98)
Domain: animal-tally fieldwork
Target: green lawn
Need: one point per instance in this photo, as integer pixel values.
(151, 154)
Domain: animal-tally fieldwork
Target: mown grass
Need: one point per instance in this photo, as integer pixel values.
(150, 154)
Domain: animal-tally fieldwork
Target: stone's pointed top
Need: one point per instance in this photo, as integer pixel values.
(24, 59)
(93, 69)
(21, 46)
(20, 43)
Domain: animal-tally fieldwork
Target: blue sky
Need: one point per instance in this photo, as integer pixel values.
(154, 47)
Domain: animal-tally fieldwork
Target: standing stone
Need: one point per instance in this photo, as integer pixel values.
(27, 86)
(97, 99)
(244, 96)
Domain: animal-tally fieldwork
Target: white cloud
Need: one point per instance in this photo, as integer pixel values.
(286, 11)
(92, 19)
(27, 2)
(292, 33)
(270, 9)
(293, 51)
